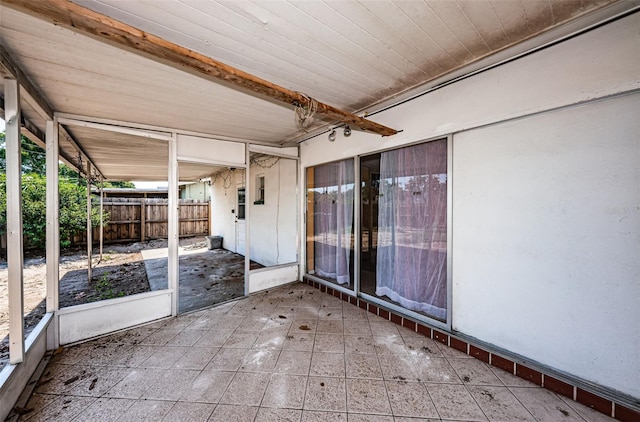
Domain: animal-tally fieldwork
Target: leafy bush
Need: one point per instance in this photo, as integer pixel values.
(73, 209)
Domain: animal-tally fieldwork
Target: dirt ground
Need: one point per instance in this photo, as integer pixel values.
(121, 272)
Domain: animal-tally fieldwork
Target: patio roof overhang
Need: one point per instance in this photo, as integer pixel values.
(355, 57)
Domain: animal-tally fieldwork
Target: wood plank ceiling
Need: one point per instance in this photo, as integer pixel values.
(349, 54)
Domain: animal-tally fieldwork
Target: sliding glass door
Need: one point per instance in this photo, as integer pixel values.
(403, 211)
(330, 206)
(403, 219)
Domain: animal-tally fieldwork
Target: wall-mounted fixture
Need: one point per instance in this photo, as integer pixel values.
(332, 136)
(347, 131)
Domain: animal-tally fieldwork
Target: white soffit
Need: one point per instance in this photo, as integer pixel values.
(83, 76)
(345, 53)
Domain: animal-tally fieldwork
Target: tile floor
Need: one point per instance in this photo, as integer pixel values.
(292, 354)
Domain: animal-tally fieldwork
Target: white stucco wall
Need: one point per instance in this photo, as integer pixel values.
(223, 201)
(273, 224)
(546, 239)
(546, 197)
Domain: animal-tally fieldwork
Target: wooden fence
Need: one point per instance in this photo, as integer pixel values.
(140, 219)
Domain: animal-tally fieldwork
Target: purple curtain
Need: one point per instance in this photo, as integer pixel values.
(333, 219)
(412, 222)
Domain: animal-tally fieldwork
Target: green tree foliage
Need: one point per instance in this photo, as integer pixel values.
(73, 209)
(72, 194)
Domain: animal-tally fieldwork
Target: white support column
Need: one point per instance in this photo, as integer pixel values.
(89, 227)
(172, 215)
(101, 215)
(53, 228)
(14, 220)
(247, 221)
(53, 218)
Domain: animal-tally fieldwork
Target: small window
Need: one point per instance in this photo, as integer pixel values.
(259, 190)
(241, 202)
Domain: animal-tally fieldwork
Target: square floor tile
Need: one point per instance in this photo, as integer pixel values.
(165, 357)
(436, 370)
(293, 363)
(474, 372)
(330, 326)
(270, 340)
(333, 343)
(147, 410)
(302, 326)
(98, 384)
(398, 368)
(278, 415)
(327, 364)
(227, 359)
(186, 338)
(240, 340)
(196, 358)
(192, 412)
(135, 383)
(214, 338)
(299, 342)
(285, 391)
(260, 360)
(160, 337)
(208, 387)
(362, 365)
(368, 396)
(324, 393)
(453, 401)
(390, 345)
(499, 404)
(422, 347)
(383, 328)
(135, 356)
(246, 388)
(105, 410)
(315, 416)
(363, 417)
(231, 413)
(359, 344)
(410, 399)
(171, 384)
(356, 327)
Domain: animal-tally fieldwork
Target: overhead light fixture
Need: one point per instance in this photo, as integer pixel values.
(332, 136)
(347, 131)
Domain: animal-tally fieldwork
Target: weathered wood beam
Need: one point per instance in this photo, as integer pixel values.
(39, 103)
(104, 28)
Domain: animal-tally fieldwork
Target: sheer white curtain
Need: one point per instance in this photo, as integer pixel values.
(333, 219)
(412, 222)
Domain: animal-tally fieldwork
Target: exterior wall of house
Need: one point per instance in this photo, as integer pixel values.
(223, 201)
(198, 191)
(273, 224)
(546, 220)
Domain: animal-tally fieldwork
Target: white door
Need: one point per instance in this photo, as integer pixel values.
(240, 220)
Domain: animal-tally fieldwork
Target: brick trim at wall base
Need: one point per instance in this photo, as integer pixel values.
(481, 352)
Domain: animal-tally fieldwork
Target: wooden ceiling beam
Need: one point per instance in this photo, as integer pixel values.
(80, 19)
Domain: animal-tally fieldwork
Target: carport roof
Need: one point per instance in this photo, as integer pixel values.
(356, 56)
